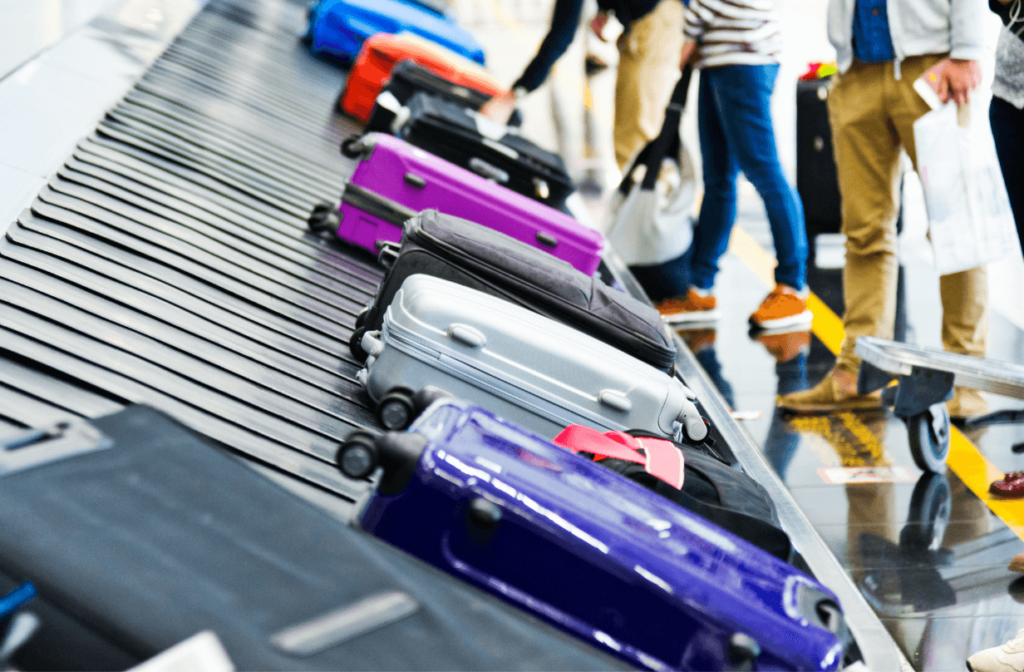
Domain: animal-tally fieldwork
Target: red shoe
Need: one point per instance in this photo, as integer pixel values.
(1010, 486)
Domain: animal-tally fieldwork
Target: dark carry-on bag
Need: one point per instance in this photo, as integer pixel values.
(489, 149)
(138, 534)
(816, 179)
(716, 492)
(408, 78)
(487, 260)
(601, 556)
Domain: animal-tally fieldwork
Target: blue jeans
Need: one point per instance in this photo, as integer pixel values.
(734, 118)
(1008, 130)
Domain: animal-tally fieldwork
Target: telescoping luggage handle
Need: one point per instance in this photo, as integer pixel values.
(652, 155)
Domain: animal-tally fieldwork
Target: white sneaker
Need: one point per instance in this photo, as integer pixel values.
(1006, 658)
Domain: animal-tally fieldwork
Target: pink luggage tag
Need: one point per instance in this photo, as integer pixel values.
(661, 458)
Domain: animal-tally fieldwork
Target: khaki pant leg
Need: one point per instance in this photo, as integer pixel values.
(648, 71)
(965, 294)
(867, 156)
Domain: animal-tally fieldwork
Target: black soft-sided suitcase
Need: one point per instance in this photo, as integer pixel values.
(138, 545)
(484, 259)
(815, 164)
(468, 140)
(408, 78)
(717, 492)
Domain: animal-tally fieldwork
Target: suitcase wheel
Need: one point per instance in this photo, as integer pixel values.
(355, 345)
(349, 148)
(396, 409)
(323, 219)
(358, 457)
(428, 395)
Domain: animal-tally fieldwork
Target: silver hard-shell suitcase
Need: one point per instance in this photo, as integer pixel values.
(440, 337)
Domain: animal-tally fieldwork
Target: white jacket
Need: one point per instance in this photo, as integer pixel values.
(917, 27)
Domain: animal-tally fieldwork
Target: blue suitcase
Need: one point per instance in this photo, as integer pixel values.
(338, 27)
(590, 551)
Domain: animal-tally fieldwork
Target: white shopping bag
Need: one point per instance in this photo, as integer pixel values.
(969, 218)
(653, 225)
(650, 219)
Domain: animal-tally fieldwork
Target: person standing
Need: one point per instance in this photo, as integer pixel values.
(882, 47)
(737, 43)
(1007, 111)
(649, 50)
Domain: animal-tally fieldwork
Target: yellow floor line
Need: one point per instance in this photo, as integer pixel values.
(965, 460)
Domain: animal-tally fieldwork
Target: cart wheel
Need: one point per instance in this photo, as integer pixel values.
(355, 345)
(930, 509)
(358, 456)
(929, 438)
(396, 410)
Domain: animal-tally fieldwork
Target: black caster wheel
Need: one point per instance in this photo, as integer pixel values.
(427, 396)
(931, 505)
(361, 317)
(348, 148)
(929, 435)
(396, 410)
(358, 456)
(355, 345)
(323, 219)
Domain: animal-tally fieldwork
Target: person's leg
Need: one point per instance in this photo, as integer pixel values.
(964, 294)
(867, 154)
(648, 69)
(743, 98)
(718, 209)
(1008, 130)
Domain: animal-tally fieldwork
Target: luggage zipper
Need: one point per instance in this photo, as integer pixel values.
(448, 360)
(36, 447)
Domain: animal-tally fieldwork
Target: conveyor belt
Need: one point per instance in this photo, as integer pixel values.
(167, 261)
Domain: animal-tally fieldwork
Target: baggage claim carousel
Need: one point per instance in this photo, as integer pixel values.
(167, 262)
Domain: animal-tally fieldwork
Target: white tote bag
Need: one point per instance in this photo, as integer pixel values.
(651, 220)
(969, 219)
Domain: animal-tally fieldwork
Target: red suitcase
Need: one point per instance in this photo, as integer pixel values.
(381, 52)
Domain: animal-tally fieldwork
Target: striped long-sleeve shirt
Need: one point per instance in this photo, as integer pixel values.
(734, 32)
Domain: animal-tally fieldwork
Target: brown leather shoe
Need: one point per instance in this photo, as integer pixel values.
(827, 397)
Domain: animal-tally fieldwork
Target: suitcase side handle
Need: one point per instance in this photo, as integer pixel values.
(467, 335)
(488, 171)
(414, 180)
(615, 400)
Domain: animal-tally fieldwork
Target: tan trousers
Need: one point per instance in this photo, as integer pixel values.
(872, 115)
(649, 55)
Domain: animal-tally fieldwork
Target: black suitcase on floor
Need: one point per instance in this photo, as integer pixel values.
(815, 164)
(408, 78)
(489, 149)
(139, 534)
(484, 259)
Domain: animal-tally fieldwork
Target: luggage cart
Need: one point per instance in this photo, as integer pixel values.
(925, 380)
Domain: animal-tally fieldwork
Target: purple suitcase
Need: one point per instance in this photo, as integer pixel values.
(395, 180)
(590, 551)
